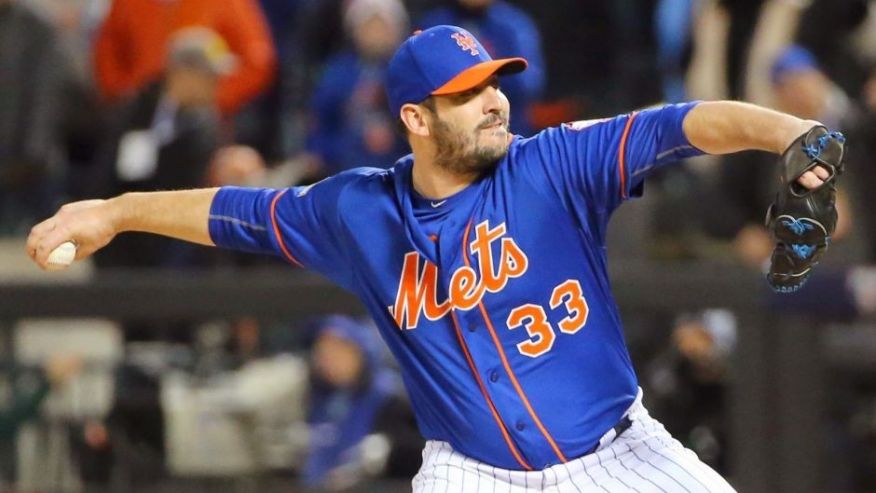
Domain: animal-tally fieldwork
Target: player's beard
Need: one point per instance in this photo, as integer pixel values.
(461, 153)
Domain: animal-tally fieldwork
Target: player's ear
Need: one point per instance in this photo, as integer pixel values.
(414, 118)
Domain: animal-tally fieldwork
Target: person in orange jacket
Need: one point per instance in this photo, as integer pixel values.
(129, 50)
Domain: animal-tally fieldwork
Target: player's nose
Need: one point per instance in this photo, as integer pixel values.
(492, 100)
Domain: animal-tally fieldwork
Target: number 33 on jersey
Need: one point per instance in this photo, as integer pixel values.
(418, 291)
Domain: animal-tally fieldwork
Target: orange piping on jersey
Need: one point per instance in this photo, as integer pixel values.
(277, 230)
(492, 407)
(621, 156)
(505, 363)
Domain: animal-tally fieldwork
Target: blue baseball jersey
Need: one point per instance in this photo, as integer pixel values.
(495, 301)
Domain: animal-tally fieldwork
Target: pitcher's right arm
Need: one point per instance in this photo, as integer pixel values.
(92, 224)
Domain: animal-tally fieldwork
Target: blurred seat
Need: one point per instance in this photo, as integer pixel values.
(43, 448)
(235, 423)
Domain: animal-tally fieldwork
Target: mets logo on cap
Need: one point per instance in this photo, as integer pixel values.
(467, 42)
(438, 61)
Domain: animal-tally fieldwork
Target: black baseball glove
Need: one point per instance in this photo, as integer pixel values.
(802, 220)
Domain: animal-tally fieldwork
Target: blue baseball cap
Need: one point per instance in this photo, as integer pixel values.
(438, 61)
(794, 59)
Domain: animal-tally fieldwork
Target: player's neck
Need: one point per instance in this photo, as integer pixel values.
(436, 182)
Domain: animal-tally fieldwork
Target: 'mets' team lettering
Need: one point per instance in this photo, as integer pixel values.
(417, 290)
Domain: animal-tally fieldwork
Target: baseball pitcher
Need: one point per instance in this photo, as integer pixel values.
(481, 257)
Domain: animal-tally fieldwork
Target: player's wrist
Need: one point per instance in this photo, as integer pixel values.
(793, 131)
(119, 213)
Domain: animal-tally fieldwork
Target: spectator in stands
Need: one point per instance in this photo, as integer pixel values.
(166, 136)
(129, 51)
(236, 166)
(839, 33)
(802, 88)
(308, 33)
(350, 387)
(673, 26)
(350, 121)
(76, 22)
(505, 31)
(273, 123)
(689, 379)
(33, 81)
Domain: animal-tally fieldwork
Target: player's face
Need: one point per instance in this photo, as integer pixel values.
(470, 129)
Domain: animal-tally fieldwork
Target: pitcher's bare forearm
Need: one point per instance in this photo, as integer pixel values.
(91, 224)
(723, 127)
(183, 214)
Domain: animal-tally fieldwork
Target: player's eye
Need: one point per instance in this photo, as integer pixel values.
(465, 96)
(462, 97)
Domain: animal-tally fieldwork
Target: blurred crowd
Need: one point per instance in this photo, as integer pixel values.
(99, 97)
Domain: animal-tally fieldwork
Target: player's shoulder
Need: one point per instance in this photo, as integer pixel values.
(581, 125)
(564, 143)
(565, 131)
(362, 178)
(348, 200)
(595, 125)
(367, 187)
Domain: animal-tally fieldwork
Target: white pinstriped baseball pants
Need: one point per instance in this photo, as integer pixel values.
(644, 459)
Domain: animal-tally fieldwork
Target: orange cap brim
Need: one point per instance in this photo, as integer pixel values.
(477, 74)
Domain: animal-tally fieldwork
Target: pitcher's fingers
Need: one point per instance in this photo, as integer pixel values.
(821, 172)
(45, 226)
(810, 180)
(39, 251)
(49, 242)
(31, 245)
(36, 236)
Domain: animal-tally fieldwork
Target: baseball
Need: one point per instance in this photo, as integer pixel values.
(62, 256)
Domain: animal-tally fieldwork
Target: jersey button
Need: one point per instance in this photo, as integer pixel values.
(494, 376)
(472, 328)
(521, 426)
